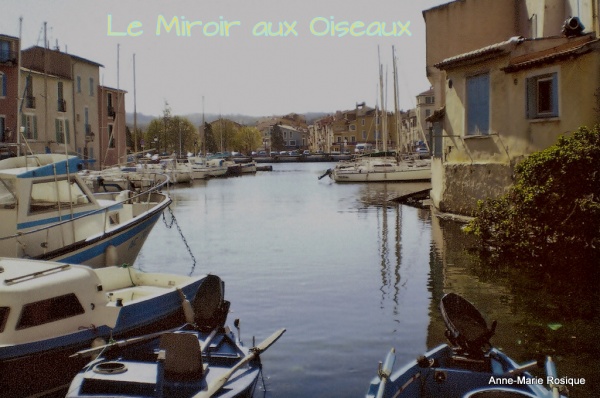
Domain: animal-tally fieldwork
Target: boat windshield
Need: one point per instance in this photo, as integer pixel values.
(7, 197)
(52, 195)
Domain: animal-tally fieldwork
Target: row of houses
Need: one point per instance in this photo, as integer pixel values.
(508, 78)
(343, 130)
(51, 101)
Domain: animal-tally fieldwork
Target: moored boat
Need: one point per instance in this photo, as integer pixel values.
(50, 310)
(383, 168)
(468, 367)
(49, 213)
(191, 362)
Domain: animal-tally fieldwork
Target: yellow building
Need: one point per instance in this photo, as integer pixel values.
(502, 100)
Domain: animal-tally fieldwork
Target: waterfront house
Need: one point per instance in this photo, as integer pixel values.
(9, 75)
(110, 144)
(504, 89)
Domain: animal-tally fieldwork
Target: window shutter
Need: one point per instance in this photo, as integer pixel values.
(4, 83)
(35, 132)
(57, 126)
(555, 94)
(68, 136)
(530, 94)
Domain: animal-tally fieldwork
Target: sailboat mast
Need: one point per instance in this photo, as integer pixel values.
(135, 148)
(383, 114)
(396, 116)
(203, 129)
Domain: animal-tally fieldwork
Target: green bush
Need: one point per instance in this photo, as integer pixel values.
(551, 215)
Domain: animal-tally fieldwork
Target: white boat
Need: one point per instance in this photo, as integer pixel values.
(248, 167)
(49, 213)
(373, 168)
(50, 310)
(209, 168)
(178, 172)
(116, 179)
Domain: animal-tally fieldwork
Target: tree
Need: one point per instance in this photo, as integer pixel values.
(170, 134)
(551, 215)
(277, 142)
(247, 139)
(210, 142)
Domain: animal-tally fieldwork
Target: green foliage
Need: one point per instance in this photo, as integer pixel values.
(247, 139)
(277, 142)
(551, 216)
(171, 134)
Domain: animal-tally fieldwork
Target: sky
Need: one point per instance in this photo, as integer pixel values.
(251, 57)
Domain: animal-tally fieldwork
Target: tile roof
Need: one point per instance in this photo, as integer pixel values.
(571, 48)
(484, 52)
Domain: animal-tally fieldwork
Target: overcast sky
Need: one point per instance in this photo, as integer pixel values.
(226, 57)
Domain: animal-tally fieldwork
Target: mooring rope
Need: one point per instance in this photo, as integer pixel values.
(170, 225)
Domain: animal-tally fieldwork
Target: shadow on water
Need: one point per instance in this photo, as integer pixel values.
(537, 315)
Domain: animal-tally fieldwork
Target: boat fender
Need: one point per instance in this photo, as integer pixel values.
(440, 376)
(110, 256)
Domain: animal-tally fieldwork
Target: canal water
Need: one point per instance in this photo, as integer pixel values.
(351, 275)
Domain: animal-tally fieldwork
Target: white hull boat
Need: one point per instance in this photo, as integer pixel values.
(50, 310)
(370, 168)
(50, 214)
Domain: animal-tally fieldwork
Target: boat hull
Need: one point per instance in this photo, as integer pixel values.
(117, 247)
(450, 378)
(352, 175)
(44, 364)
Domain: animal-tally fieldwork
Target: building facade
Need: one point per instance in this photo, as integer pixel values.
(9, 76)
(529, 76)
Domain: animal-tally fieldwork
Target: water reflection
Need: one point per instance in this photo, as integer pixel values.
(351, 274)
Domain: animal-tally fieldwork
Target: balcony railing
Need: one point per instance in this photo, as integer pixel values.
(62, 105)
(30, 102)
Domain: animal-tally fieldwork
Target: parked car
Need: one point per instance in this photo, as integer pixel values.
(306, 152)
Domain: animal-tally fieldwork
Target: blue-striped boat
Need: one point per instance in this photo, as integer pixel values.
(468, 367)
(49, 213)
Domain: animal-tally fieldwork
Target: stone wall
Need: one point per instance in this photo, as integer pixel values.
(464, 184)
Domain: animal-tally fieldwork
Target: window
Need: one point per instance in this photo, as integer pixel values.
(478, 104)
(91, 86)
(3, 83)
(50, 195)
(364, 135)
(292, 142)
(352, 127)
(2, 128)
(427, 112)
(362, 121)
(79, 84)
(429, 100)
(353, 139)
(50, 310)
(111, 139)
(29, 98)
(30, 124)
(4, 51)
(61, 103)
(542, 96)
(62, 131)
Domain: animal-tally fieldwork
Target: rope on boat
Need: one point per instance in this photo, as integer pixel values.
(170, 225)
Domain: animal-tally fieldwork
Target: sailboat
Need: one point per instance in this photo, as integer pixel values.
(383, 166)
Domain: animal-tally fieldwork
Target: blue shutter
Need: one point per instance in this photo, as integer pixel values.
(4, 84)
(555, 94)
(478, 104)
(57, 127)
